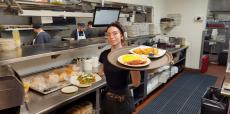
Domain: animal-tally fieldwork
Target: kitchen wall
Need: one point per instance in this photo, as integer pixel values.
(188, 28)
(158, 12)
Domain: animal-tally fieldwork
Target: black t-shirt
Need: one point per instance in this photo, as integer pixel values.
(116, 78)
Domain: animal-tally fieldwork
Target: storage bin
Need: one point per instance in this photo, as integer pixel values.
(213, 102)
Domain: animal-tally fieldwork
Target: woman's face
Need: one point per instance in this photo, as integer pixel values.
(114, 36)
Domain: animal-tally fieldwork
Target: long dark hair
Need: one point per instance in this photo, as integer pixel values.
(120, 28)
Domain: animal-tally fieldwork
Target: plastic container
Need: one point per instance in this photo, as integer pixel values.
(213, 102)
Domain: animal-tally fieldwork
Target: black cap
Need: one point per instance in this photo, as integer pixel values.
(81, 24)
(37, 25)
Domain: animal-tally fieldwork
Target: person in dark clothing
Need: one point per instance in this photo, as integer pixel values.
(41, 36)
(79, 33)
(90, 24)
(117, 98)
(90, 30)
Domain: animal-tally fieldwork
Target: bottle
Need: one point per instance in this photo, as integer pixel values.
(16, 37)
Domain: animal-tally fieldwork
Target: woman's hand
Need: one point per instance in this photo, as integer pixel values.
(136, 78)
(101, 70)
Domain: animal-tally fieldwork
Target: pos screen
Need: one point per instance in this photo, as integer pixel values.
(104, 16)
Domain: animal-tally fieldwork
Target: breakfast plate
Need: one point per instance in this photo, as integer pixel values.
(134, 60)
(69, 89)
(85, 79)
(148, 51)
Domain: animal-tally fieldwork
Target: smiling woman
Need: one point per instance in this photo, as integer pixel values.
(117, 98)
(115, 35)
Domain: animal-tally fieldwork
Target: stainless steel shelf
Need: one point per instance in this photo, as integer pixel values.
(179, 61)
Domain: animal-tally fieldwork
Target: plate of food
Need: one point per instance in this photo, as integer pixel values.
(148, 51)
(85, 79)
(134, 60)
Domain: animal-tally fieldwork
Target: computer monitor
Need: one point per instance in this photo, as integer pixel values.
(103, 16)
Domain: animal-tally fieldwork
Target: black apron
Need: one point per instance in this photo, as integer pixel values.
(113, 107)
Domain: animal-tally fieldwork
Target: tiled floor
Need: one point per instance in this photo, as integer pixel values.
(214, 70)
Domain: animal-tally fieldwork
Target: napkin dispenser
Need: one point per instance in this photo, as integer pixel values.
(11, 89)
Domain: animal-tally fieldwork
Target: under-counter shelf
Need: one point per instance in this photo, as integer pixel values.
(172, 71)
(179, 61)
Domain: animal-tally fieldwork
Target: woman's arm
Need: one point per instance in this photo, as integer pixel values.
(136, 78)
(101, 70)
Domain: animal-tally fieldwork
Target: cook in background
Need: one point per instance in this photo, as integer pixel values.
(90, 24)
(117, 98)
(90, 30)
(41, 36)
(79, 33)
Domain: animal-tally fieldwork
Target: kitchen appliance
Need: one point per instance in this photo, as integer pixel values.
(11, 91)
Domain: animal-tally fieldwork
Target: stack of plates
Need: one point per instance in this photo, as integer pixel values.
(7, 44)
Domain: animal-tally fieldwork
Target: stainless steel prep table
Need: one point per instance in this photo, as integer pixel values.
(39, 104)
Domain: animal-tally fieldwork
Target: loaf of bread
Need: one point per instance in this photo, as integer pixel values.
(85, 107)
(61, 73)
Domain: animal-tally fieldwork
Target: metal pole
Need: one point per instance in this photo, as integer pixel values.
(98, 109)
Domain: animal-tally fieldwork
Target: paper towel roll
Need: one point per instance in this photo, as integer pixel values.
(214, 34)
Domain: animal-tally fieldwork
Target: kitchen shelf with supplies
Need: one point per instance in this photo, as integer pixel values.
(25, 5)
(153, 79)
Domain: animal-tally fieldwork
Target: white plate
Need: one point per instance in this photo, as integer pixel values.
(69, 89)
(74, 81)
(161, 52)
(120, 60)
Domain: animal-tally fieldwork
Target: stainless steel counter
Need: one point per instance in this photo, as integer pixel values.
(143, 36)
(39, 104)
(38, 51)
(32, 52)
(174, 50)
